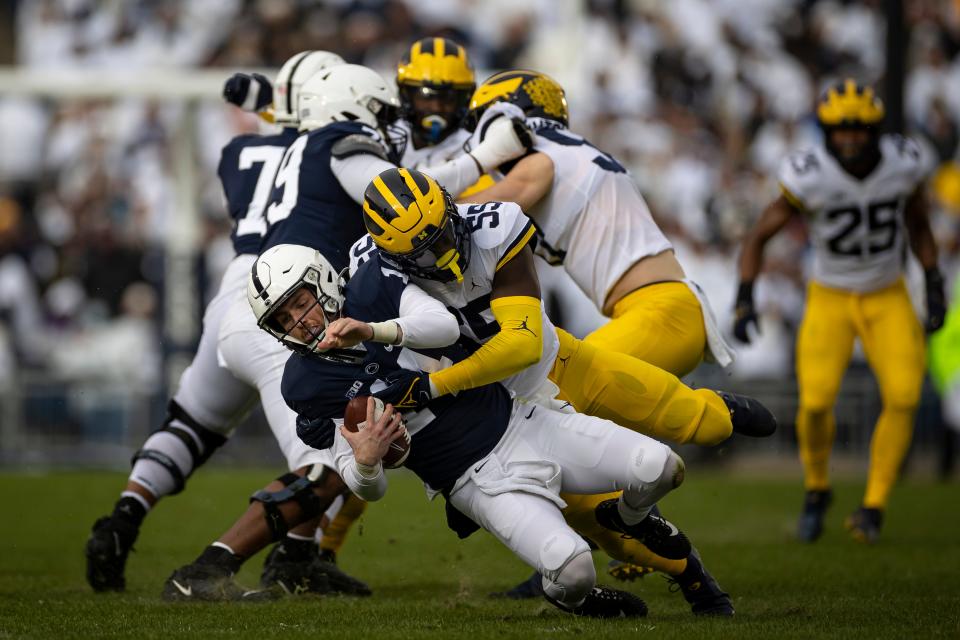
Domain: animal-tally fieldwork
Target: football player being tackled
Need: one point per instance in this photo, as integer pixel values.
(477, 260)
(212, 399)
(500, 464)
(861, 195)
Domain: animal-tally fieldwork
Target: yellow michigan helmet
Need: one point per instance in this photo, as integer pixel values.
(415, 223)
(849, 104)
(537, 94)
(438, 72)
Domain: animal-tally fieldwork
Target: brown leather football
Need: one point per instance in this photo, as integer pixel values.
(354, 419)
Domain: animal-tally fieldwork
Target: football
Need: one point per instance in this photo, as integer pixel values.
(354, 418)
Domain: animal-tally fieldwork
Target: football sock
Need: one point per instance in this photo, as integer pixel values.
(220, 555)
(815, 433)
(888, 446)
(335, 534)
(130, 508)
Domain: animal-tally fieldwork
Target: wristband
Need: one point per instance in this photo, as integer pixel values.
(368, 471)
(387, 332)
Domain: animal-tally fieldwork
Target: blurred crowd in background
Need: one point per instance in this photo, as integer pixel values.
(700, 99)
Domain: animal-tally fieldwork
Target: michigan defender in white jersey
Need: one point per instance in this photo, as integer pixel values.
(592, 220)
(478, 261)
(861, 195)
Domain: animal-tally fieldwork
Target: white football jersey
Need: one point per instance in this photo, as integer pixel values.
(856, 226)
(401, 137)
(593, 221)
(497, 231)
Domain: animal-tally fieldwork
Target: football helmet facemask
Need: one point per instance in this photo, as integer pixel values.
(435, 80)
(850, 106)
(345, 93)
(415, 223)
(280, 273)
(537, 94)
(294, 72)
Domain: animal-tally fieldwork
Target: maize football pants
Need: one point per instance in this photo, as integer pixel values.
(893, 341)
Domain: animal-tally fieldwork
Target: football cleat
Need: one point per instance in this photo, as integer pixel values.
(654, 531)
(815, 505)
(307, 572)
(864, 524)
(627, 571)
(210, 583)
(701, 590)
(339, 581)
(749, 416)
(108, 546)
(532, 587)
(604, 602)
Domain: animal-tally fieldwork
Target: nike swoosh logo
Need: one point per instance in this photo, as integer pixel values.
(477, 468)
(673, 529)
(185, 591)
(531, 413)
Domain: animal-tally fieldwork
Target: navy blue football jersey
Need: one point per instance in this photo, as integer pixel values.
(248, 166)
(308, 206)
(463, 429)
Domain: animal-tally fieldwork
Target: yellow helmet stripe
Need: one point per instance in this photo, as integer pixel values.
(490, 91)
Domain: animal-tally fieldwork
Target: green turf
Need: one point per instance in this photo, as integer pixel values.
(428, 583)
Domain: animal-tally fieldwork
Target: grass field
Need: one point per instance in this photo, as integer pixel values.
(427, 583)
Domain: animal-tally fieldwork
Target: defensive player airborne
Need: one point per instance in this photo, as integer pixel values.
(861, 194)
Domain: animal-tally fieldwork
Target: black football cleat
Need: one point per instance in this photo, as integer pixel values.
(339, 581)
(701, 590)
(654, 531)
(210, 583)
(108, 546)
(604, 602)
(295, 577)
(864, 524)
(749, 416)
(532, 587)
(815, 505)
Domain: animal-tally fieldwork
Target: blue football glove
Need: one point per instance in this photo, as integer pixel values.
(407, 390)
(316, 432)
(250, 92)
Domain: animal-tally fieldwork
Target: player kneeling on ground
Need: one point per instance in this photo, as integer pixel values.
(500, 464)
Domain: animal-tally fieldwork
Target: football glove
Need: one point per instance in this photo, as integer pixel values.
(505, 138)
(407, 390)
(746, 314)
(316, 432)
(250, 92)
(936, 299)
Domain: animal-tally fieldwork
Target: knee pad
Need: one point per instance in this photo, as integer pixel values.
(295, 488)
(568, 585)
(200, 443)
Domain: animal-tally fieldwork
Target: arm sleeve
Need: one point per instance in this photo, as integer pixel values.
(518, 345)
(355, 172)
(366, 488)
(424, 320)
(455, 175)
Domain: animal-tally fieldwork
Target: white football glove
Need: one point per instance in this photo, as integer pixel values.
(501, 135)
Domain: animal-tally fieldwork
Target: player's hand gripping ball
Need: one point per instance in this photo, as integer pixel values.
(354, 419)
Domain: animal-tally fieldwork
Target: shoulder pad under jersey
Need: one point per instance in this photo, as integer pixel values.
(356, 144)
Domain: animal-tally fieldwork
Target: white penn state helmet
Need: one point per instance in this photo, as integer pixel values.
(294, 72)
(348, 92)
(277, 274)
